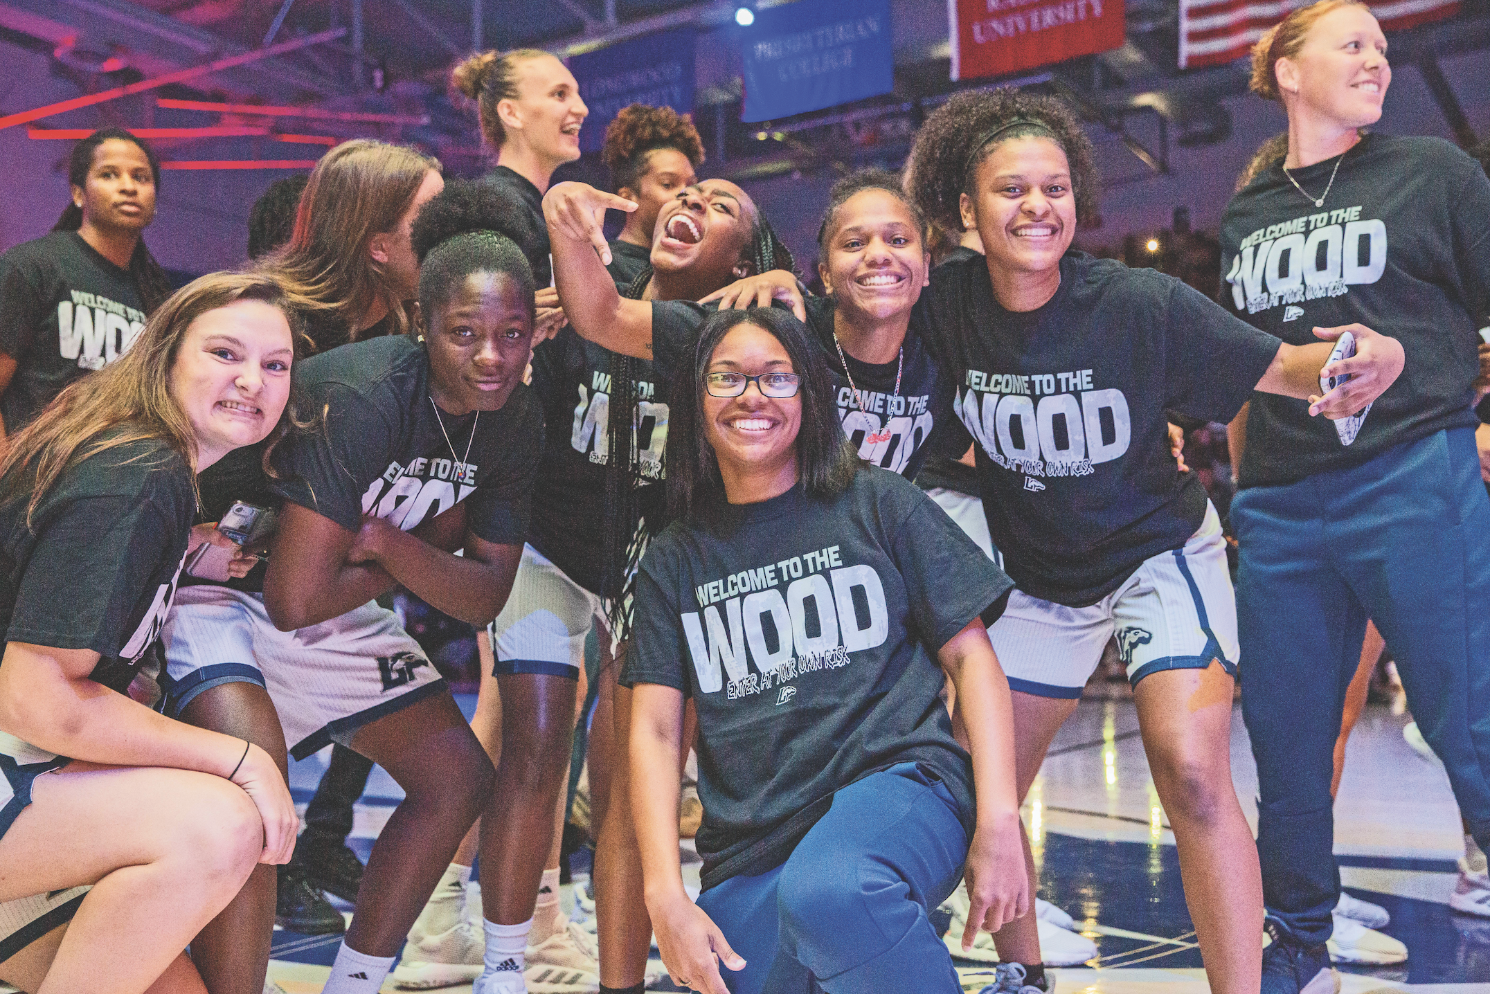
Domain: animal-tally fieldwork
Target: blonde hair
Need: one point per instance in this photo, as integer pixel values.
(487, 79)
(1283, 41)
(130, 400)
(359, 189)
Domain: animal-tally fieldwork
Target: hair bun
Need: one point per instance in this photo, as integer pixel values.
(467, 76)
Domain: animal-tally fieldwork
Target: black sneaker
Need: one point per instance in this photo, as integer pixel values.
(1290, 967)
(303, 909)
(333, 868)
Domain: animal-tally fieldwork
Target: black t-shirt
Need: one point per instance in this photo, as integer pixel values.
(806, 632)
(535, 243)
(65, 310)
(379, 448)
(1402, 246)
(97, 567)
(1067, 405)
(896, 432)
(572, 378)
(628, 261)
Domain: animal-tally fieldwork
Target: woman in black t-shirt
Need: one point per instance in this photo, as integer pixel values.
(651, 153)
(1349, 226)
(1065, 367)
(803, 603)
(76, 299)
(163, 820)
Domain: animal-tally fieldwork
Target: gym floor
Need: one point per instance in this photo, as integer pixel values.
(1107, 858)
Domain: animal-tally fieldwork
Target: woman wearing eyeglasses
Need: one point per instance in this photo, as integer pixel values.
(812, 609)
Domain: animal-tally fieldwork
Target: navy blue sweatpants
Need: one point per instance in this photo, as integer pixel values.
(847, 913)
(1403, 539)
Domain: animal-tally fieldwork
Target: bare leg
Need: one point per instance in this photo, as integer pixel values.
(517, 824)
(430, 751)
(1036, 720)
(487, 724)
(165, 850)
(27, 968)
(1185, 717)
(1355, 698)
(232, 952)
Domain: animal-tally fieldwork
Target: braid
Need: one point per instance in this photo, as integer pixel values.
(767, 251)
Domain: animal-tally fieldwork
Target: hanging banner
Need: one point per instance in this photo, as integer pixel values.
(999, 37)
(1216, 31)
(656, 70)
(813, 54)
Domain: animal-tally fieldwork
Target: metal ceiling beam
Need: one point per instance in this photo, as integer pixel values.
(429, 28)
(111, 23)
(179, 76)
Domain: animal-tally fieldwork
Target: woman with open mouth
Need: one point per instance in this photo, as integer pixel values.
(812, 609)
(76, 299)
(163, 821)
(1347, 226)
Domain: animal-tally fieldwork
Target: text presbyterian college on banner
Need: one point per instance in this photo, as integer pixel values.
(998, 37)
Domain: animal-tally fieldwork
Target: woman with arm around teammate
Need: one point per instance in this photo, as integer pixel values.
(165, 821)
(803, 603)
(1388, 232)
(1065, 366)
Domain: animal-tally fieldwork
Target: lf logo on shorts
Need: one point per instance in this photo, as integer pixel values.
(785, 694)
(1129, 639)
(399, 670)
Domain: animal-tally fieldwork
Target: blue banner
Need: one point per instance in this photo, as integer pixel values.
(814, 54)
(656, 70)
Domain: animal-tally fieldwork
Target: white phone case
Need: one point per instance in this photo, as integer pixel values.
(1350, 426)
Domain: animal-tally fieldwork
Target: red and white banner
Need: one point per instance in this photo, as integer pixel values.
(998, 37)
(1215, 31)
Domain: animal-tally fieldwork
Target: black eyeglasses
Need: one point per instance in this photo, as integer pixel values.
(775, 385)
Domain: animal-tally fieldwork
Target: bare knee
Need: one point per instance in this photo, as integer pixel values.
(219, 832)
(1192, 790)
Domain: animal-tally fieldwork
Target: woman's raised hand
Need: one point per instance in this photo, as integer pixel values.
(759, 291)
(577, 212)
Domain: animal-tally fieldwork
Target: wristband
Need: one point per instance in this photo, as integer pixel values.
(246, 746)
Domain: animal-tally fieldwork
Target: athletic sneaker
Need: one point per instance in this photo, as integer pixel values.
(1471, 894)
(1007, 978)
(270, 987)
(301, 908)
(567, 962)
(1058, 946)
(334, 867)
(1368, 914)
(1413, 736)
(505, 980)
(1353, 942)
(443, 960)
(1047, 912)
(1290, 967)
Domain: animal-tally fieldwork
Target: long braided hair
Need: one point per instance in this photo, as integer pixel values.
(628, 526)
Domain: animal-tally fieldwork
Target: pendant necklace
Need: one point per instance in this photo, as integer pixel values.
(883, 435)
(1326, 193)
(460, 463)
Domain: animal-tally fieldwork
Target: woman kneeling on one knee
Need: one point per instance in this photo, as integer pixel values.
(804, 601)
(163, 820)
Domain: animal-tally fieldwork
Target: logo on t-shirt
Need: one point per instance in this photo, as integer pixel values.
(94, 330)
(405, 496)
(1045, 424)
(888, 429)
(1307, 258)
(149, 628)
(765, 627)
(591, 435)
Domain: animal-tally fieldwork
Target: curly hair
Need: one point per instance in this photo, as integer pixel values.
(471, 227)
(640, 129)
(1283, 41)
(271, 221)
(960, 134)
(857, 182)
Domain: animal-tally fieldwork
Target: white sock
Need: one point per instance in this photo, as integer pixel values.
(357, 973)
(446, 905)
(505, 949)
(1474, 862)
(548, 913)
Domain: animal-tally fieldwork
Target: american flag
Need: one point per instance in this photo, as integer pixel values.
(1215, 31)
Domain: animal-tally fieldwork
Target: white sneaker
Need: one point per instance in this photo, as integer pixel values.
(567, 962)
(1368, 914)
(1047, 912)
(444, 960)
(1471, 894)
(1413, 736)
(1353, 942)
(1058, 946)
(270, 987)
(500, 983)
